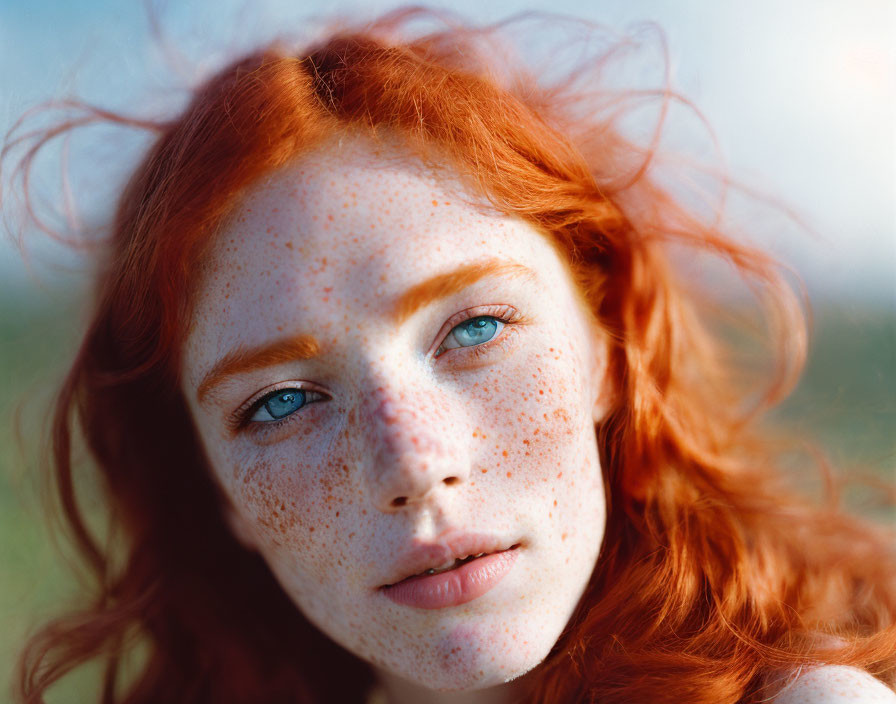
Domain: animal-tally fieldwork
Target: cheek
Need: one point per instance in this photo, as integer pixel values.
(299, 510)
(544, 418)
(546, 452)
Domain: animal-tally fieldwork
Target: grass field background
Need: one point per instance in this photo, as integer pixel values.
(846, 402)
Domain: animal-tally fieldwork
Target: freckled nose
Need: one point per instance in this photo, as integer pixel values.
(412, 454)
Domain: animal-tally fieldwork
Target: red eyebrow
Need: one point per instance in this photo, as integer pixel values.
(444, 285)
(243, 359)
(299, 347)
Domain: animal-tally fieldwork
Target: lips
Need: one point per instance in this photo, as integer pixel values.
(460, 585)
(446, 554)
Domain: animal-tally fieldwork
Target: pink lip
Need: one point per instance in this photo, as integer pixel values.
(456, 586)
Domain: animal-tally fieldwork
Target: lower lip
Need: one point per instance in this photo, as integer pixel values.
(454, 587)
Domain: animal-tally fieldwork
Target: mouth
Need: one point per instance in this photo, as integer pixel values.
(452, 565)
(453, 582)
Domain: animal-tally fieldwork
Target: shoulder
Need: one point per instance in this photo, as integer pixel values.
(835, 684)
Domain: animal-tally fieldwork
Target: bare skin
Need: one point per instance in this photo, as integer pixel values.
(835, 684)
(413, 424)
(396, 690)
(449, 378)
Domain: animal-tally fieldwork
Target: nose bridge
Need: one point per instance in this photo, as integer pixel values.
(410, 443)
(400, 420)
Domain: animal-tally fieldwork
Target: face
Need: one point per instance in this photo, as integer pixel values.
(387, 378)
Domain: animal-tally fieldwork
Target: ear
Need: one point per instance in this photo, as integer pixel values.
(240, 527)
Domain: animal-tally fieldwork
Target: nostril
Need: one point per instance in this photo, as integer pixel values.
(400, 501)
(451, 480)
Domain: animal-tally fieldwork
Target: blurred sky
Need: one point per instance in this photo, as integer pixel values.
(801, 95)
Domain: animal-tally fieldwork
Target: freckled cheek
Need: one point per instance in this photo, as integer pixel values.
(300, 509)
(538, 416)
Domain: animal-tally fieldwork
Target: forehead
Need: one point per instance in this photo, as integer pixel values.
(338, 234)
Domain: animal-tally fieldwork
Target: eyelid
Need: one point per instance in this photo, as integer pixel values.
(506, 314)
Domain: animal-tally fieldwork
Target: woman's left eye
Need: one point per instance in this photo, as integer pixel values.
(280, 404)
(472, 332)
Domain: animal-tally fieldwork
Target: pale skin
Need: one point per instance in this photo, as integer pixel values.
(418, 428)
(833, 684)
(412, 423)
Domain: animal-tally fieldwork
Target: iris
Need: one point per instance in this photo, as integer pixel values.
(476, 330)
(285, 402)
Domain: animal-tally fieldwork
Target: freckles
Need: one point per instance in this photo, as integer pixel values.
(455, 649)
(273, 509)
(561, 420)
(315, 523)
(320, 269)
(548, 418)
(336, 480)
(302, 519)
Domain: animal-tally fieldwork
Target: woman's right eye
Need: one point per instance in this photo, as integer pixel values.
(281, 403)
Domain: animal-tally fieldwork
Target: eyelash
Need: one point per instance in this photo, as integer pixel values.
(510, 317)
(502, 313)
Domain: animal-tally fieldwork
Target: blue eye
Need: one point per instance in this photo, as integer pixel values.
(279, 404)
(472, 332)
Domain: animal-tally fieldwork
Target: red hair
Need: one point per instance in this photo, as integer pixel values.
(712, 577)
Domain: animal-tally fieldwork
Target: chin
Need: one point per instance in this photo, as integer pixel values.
(457, 666)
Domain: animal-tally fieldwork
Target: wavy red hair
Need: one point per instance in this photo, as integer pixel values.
(713, 579)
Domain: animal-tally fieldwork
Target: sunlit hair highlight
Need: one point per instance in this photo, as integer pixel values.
(714, 580)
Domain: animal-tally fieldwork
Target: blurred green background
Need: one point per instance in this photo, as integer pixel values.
(846, 402)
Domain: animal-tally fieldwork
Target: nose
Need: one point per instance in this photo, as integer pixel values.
(412, 449)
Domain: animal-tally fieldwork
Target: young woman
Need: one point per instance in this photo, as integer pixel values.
(396, 397)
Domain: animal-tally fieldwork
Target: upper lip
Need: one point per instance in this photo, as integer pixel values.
(422, 556)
